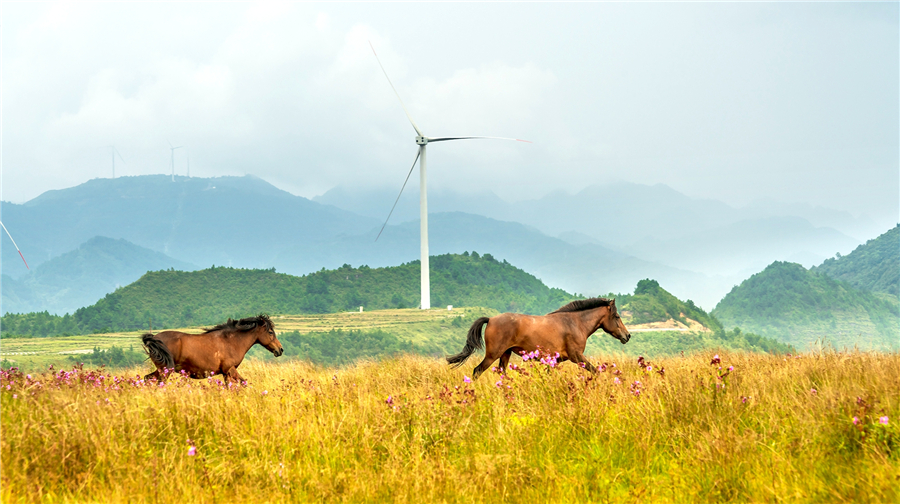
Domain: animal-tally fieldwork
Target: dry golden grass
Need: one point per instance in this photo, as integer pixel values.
(409, 429)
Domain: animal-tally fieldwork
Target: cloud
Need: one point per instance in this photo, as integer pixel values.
(727, 101)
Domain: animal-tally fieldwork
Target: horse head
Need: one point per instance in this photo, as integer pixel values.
(612, 324)
(265, 334)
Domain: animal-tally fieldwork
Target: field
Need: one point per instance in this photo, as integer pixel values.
(818, 427)
(435, 332)
(411, 324)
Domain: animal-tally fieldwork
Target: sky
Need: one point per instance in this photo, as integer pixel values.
(798, 103)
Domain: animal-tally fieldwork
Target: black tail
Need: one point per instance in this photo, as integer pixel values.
(473, 342)
(158, 352)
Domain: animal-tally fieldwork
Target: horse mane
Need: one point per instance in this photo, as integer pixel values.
(243, 325)
(586, 304)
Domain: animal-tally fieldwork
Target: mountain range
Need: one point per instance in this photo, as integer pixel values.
(600, 240)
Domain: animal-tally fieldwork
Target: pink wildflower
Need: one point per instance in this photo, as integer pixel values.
(855, 420)
(192, 451)
(466, 379)
(883, 420)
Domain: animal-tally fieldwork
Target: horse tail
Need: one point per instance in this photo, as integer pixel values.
(473, 342)
(157, 350)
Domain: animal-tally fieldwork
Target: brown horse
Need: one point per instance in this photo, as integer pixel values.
(564, 331)
(219, 349)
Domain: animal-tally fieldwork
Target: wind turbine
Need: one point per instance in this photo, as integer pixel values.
(173, 158)
(14, 244)
(422, 141)
(113, 152)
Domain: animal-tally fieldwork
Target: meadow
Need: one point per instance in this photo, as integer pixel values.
(709, 426)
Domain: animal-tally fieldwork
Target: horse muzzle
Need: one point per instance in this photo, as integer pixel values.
(277, 352)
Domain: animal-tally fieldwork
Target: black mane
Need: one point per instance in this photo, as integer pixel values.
(586, 304)
(244, 324)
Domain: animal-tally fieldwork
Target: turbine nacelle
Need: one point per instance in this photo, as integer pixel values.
(421, 140)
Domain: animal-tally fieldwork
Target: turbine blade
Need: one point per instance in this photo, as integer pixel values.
(395, 90)
(442, 139)
(14, 244)
(418, 152)
(120, 156)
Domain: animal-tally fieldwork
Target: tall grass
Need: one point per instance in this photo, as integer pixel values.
(409, 429)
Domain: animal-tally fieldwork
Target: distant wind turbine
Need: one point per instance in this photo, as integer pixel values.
(14, 244)
(114, 152)
(422, 141)
(173, 158)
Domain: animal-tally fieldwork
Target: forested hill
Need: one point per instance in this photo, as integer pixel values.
(796, 306)
(179, 299)
(652, 303)
(873, 266)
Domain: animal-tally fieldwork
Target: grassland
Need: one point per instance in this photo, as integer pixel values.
(416, 326)
(433, 332)
(750, 428)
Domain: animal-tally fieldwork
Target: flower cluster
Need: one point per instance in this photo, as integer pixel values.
(636, 388)
(648, 367)
(545, 358)
(13, 379)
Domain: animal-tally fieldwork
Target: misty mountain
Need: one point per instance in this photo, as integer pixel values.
(246, 222)
(82, 276)
(745, 247)
(654, 223)
(226, 220)
(588, 269)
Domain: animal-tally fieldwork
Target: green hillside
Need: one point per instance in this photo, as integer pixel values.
(796, 306)
(652, 303)
(182, 299)
(873, 266)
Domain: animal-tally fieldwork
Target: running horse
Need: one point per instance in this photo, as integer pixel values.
(219, 349)
(565, 331)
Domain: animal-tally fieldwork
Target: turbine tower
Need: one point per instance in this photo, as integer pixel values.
(422, 141)
(173, 158)
(114, 152)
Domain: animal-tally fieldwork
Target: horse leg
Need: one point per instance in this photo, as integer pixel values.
(233, 375)
(577, 357)
(490, 355)
(156, 375)
(504, 360)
